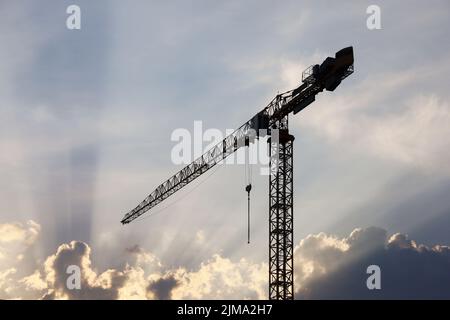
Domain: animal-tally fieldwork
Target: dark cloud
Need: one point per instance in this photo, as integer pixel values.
(162, 288)
(77, 253)
(134, 249)
(408, 270)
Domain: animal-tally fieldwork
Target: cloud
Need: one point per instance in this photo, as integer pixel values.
(34, 282)
(7, 284)
(146, 279)
(15, 239)
(94, 285)
(24, 234)
(200, 236)
(143, 277)
(326, 267)
(134, 249)
(163, 287)
(333, 268)
(16, 242)
(221, 278)
(374, 118)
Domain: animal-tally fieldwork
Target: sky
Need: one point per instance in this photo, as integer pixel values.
(86, 118)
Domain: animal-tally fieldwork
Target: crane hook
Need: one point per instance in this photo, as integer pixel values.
(248, 188)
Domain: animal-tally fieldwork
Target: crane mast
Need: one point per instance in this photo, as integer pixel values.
(328, 75)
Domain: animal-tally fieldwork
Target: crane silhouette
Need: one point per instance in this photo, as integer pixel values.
(272, 121)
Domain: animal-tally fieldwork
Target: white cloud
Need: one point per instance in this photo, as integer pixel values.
(34, 282)
(16, 239)
(24, 234)
(221, 278)
(411, 130)
(326, 266)
(417, 136)
(144, 277)
(200, 236)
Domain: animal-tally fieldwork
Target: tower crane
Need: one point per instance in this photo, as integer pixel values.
(272, 119)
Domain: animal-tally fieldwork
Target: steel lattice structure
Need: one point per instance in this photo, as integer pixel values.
(273, 118)
(281, 224)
